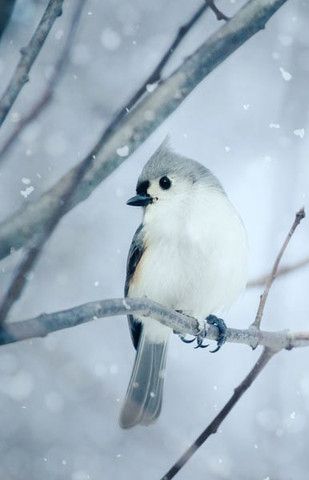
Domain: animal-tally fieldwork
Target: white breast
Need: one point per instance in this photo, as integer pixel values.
(196, 255)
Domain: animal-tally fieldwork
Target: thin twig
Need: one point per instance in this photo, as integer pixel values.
(298, 218)
(28, 56)
(155, 75)
(137, 126)
(215, 424)
(219, 15)
(285, 270)
(48, 93)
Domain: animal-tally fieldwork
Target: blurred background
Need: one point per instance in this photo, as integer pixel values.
(60, 396)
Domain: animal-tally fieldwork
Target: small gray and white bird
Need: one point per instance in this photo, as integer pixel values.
(189, 254)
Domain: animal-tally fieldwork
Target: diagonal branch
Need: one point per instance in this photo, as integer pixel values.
(298, 218)
(19, 280)
(136, 127)
(155, 75)
(48, 93)
(28, 56)
(212, 428)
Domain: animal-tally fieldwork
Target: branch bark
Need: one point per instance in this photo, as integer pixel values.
(48, 93)
(28, 56)
(47, 323)
(133, 130)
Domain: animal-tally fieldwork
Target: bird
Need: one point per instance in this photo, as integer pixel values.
(190, 253)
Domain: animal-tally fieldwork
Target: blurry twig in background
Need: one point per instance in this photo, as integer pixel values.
(155, 75)
(220, 15)
(140, 122)
(6, 10)
(48, 93)
(32, 254)
(300, 215)
(260, 281)
(265, 357)
(28, 56)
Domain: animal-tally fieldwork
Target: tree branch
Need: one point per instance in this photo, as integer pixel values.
(133, 130)
(219, 15)
(48, 93)
(28, 56)
(31, 256)
(298, 218)
(215, 424)
(47, 323)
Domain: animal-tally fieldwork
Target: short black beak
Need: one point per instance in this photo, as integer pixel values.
(140, 201)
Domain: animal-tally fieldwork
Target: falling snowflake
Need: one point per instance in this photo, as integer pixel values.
(285, 75)
(299, 132)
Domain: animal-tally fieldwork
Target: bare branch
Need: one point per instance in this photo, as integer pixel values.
(298, 218)
(215, 424)
(260, 281)
(47, 323)
(28, 56)
(48, 93)
(220, 15)
(136, 127)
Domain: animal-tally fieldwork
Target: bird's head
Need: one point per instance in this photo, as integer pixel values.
(170, 182)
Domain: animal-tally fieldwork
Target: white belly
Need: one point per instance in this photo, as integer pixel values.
(200, 269)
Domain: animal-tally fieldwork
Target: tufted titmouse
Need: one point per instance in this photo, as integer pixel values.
(189, 253)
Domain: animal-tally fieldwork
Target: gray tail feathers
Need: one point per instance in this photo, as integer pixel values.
(144, 395)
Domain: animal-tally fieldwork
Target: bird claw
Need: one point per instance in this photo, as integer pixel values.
(221, 326)
(199, 340)
(184, 340)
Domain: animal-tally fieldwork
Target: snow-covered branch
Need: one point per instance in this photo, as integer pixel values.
(136, 127)
(47, 323)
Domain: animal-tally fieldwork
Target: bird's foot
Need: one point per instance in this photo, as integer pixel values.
(221, 326)
(199, 338)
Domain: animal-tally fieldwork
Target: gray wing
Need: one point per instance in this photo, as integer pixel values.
(135, 253)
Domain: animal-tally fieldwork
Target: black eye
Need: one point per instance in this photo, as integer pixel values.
(165, 183)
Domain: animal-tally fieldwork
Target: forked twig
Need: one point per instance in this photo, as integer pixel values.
(219, 14)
